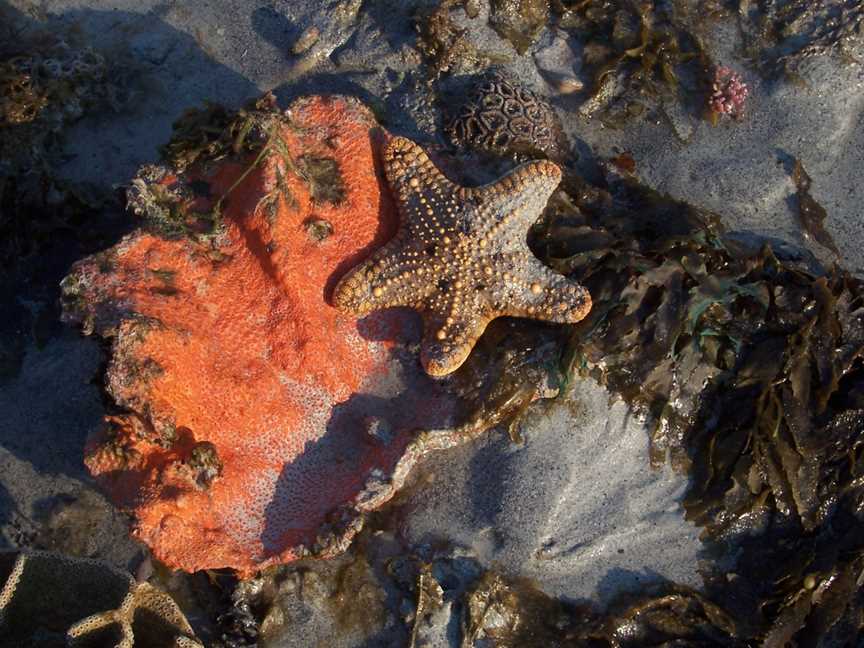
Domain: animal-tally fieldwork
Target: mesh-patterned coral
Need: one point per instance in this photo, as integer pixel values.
(503, 117)
(49, 599)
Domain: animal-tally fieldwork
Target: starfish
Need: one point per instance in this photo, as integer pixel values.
(460, 256)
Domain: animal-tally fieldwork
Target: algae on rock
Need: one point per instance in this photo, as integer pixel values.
(519, 21)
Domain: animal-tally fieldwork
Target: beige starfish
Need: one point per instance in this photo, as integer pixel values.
(460, 257)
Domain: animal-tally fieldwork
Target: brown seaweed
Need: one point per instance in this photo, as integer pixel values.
(811, 214)
(214, 132)
(510, 612)
(750, 364)
(751, 367)
(637, 54)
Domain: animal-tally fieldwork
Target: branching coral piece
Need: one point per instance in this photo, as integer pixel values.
(46, 597)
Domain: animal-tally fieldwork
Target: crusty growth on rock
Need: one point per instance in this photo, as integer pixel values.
(460, 257)
(502, 117)
(54, 599)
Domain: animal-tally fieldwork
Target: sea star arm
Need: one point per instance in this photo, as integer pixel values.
(509, 206)
(527, 288)
(523, 287)
(396, 275)
(449, 335)
(426, 199)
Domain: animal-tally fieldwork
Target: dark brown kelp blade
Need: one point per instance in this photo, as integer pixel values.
(811, 214)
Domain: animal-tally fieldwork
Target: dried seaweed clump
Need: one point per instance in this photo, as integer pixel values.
(214, 132)
(752, 369)
(780, 36)
(52, 81)
(49, 599)
(173, 206)
(45, 85)
(637, 54)
(502, 117)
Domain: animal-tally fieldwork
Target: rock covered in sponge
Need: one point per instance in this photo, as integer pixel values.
(243, 438)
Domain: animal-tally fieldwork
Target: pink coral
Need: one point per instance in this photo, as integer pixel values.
(728, 93)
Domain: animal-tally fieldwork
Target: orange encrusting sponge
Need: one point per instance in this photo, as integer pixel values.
(229, 358)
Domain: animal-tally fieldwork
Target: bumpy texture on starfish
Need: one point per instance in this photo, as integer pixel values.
(460, 257)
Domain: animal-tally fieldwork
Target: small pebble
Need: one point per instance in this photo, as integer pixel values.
(569, 85)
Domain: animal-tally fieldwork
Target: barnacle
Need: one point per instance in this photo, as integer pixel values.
(46, 84)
